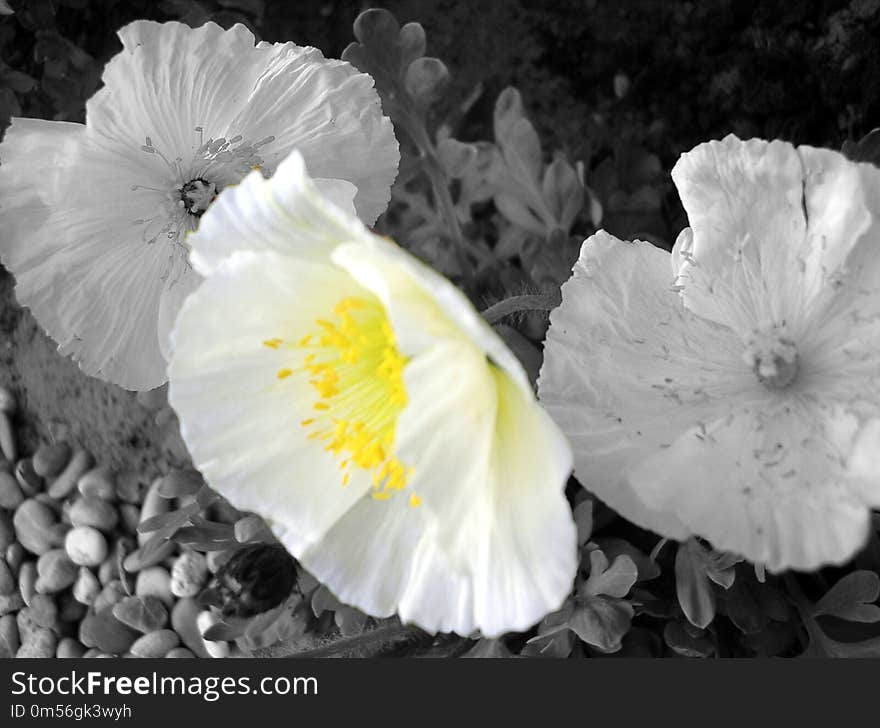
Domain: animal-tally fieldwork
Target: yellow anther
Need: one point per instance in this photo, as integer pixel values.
(284, 373)
(414, 500)
(273, 343)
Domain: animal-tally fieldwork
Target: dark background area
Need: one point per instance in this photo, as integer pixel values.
(623, 86)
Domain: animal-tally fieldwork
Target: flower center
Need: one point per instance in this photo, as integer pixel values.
(196, 195)
(352, 363)
(773, 357)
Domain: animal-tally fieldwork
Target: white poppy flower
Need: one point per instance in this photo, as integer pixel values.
(95, 216)
(332, 383)
(737, 404)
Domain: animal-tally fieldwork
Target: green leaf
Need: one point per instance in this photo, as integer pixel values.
(602, 622)
(694, 592)
(613, 581)
(851, 598)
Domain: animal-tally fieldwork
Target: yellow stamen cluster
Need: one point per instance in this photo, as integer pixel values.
(355, 368)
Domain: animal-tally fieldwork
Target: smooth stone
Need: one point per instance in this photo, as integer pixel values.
(95, 512)
(180, 652)
(69, 647)
(8, 582)
(14, 556)
(7, 531)
(86, 587)
(154, 504)
(136, 561)
(98, 483)
(9, 637)
(204, 621)
(188, 574)
(30, 482)
(104, 631)
(155, 644)
(7, 438)
(43, 611)
(154, 581)
(33, 522)
(27, 581)
(8, 403)
(55, 571)
(41, 644)
(65, 483)
(86, 546)
(183, 619)
(112, 592)
(11, 604)
(11, 495)
(50, 459)
(128, 487)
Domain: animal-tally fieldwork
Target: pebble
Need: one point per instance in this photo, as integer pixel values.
(43, 611)
(86, 587)
(33, 521)
(7, 531)
(108, 571)
(55, 571)
(155, 644)
(69, 647)
(65, 483)
(27, 581)
(97, 483)
(7, 579)
(50, 459)
(183, 619)
(30, 482)
(10, 491)
(7, 438)
(128, 487)
(14, 556)
(205, 620)
(92, 511)
(131, 516)
(154, 581)
(145, 614)
(104, 631)
(41, 644)
(180, 652)
(188, 574)
(7, 401)
(85, 546)
(69, 609)
(11, 604)
(9, 638)
(136, 561)
(112, 592)
(153, 505)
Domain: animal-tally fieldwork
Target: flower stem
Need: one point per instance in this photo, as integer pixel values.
(514, 304)
(394, 632)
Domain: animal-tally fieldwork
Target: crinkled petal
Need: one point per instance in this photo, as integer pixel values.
(171, 78)
(287, 213)
(332, 115)
(81, 263)
(771, 228)
(627, 369)
(241, 423)
(767, 483)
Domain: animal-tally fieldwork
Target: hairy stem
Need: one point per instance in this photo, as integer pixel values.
(515, 304)
(394, 632)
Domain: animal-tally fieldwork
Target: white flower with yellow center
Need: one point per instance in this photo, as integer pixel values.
(734, 396)
(95, 216)
(330, 382)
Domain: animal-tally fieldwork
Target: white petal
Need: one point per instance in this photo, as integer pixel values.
(80, 261)
(627, 369)
(287, 213)
(170, 78)
(744, 204)
(331, 114)
(240, 422)
(491, 547)
(768, 483)
(422, 305)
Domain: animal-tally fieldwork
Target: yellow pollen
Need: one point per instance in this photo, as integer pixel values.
(352, 363)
